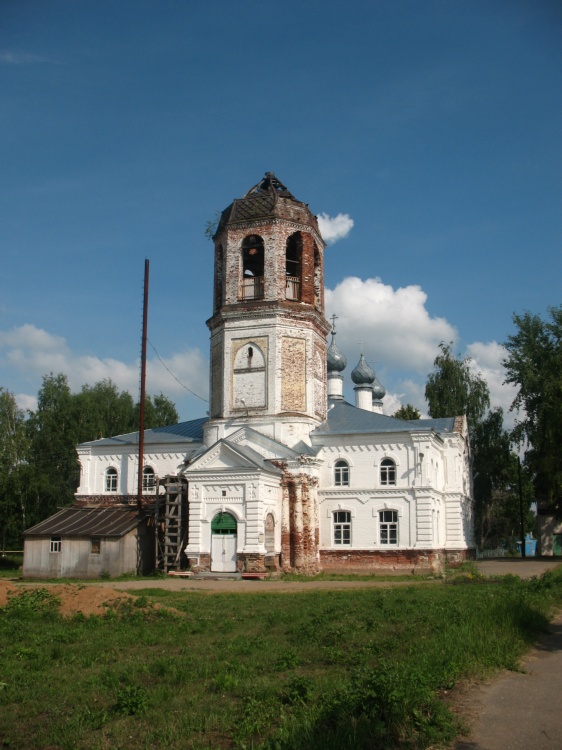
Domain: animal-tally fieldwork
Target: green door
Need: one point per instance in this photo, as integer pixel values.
(557, 544)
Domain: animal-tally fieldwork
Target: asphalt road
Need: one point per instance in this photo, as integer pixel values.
(521, 710)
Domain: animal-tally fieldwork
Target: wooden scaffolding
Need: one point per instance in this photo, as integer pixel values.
(171, 523)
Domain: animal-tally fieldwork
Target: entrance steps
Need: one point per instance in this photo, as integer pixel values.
(217, 576)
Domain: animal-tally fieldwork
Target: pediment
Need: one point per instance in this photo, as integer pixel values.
(266, 446)
(225, 456)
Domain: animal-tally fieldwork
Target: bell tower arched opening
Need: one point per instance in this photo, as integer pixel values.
(251, 286)
(293, 266)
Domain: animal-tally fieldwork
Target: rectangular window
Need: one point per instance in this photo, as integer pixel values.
(388, 527)
(56, 544)
(342, 527)
(95, 546)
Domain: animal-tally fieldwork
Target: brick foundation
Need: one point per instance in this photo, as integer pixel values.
(250, 563)
(393, 561)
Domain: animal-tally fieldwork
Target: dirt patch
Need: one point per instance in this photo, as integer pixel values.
(87, 600)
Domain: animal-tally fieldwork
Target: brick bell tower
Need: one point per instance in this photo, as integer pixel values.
(268, 331)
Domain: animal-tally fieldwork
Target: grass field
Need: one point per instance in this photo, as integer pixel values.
(360, 668)
(9, 565)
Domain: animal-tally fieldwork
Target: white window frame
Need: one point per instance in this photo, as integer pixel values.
(341, 524)
(56, 545)
(341, 473)
(388, 527)
(388, 472)
(148, 479)
(111, 479)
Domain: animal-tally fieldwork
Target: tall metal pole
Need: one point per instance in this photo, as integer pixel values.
(521, 516)
(143, 383)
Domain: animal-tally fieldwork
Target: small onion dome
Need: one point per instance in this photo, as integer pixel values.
(363, 374)
(336, 360)
(379, 391)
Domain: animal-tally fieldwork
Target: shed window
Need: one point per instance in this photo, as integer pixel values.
(56, 544)
(95, 546)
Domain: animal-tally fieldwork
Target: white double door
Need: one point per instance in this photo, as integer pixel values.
(223, 553)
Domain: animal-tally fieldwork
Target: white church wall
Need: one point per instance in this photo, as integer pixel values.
(95, 463)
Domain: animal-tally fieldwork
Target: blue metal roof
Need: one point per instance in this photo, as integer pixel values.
(192, 429)
(183, 432)
(345, 419)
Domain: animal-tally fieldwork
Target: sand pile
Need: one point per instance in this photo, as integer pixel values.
(89, 600)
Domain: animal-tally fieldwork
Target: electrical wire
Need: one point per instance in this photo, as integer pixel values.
(174, 377)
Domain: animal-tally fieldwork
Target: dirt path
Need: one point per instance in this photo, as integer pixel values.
(520, 710)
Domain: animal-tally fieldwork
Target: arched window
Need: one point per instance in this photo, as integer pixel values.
(293, 264)
(252, 267)
(342, 527)
(341, 473)
(111, 480)
(225, 524)
(148, 479)
(388, 471)
(388, 527)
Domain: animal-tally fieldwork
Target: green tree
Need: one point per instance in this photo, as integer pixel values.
(14, 457)
(54, 434)
(103, 411)
(407, 412)
(165, 412)
(452, 389)
(159, 411)
(534, 366)
(496, 486)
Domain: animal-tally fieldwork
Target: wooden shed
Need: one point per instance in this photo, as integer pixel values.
(89, 543)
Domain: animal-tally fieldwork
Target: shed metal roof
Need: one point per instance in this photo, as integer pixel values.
(87, 522)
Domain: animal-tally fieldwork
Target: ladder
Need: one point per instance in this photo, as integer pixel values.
(171, 522)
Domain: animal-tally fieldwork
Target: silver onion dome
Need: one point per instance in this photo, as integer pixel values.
(336, 360)
(363, 374)
(379, 391)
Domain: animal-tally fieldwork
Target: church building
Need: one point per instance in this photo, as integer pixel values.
(284, 473)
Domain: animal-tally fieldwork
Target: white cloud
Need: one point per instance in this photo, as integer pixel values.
(408, 392)
(487, 360)
(397, 329)
(26, 402)
(334, 228)
(33, 352)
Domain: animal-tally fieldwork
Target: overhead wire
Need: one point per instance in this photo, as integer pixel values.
(165, 366)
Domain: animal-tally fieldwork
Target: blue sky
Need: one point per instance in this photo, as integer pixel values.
(433, 129)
